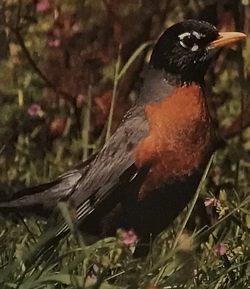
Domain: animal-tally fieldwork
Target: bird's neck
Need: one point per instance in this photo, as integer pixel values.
(158, 83)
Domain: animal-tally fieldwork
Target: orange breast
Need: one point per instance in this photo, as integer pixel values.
(179, 138)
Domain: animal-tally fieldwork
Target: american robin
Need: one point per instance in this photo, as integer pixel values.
(150, 168)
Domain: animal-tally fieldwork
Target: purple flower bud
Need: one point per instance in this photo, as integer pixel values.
(129, 238)
(54, 42)
(35, 110)
(220, 249)
(42, 5)
(208, 202)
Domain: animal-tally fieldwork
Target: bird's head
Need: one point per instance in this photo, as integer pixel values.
(185, 49)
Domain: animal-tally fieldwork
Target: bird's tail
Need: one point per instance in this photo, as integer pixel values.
(42, 199)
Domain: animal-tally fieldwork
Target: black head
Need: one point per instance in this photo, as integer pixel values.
(182, 50)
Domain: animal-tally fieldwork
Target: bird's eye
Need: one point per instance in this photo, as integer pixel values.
(188, 40)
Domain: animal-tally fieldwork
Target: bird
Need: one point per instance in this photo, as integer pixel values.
(150, 168)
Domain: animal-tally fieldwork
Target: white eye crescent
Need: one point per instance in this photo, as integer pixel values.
(183, 35)
(189, 40)
(195, 47)
(196, 34)
(183, 45)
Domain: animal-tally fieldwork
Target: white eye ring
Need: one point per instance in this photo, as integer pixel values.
(195, 47)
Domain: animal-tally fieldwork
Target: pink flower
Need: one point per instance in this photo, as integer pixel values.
(220, 249)
(129, 237)
(42, 5)
(209, 202)
(54, 43)
(213, 202)
(75, 27)
(92, 276)
(35, 110)
(217, 170)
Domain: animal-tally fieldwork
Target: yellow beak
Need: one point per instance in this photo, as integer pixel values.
(226, 38)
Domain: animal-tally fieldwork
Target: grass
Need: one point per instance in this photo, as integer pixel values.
(179, 258)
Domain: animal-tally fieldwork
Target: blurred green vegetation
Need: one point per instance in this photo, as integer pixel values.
(62, 56)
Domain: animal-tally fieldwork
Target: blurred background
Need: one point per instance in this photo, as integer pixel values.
(70, 69)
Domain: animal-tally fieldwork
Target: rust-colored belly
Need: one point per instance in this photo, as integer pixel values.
(180, 136)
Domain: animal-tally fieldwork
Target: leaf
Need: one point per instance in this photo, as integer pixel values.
(69, 279)
(248, 221)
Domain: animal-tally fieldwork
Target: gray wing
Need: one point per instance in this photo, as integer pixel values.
(94, 180)
(114, 165)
